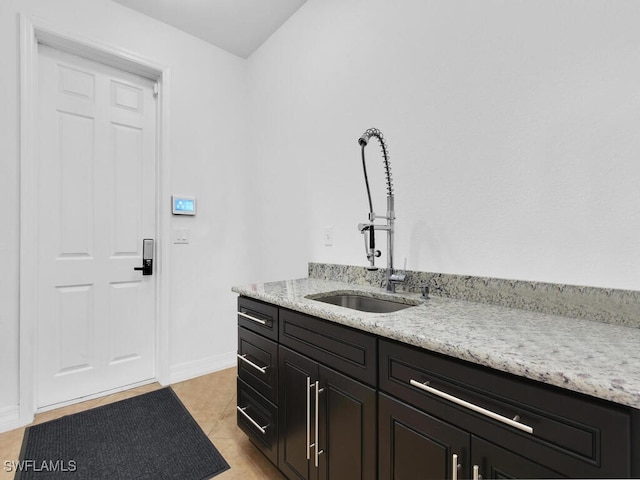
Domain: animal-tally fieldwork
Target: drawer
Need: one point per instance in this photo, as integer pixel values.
(347, 350)
(259, 317)
(569, 430)
(258, 418)
(258, 363)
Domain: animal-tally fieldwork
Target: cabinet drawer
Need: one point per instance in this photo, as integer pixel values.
(570, 432)
(260, 317)
(258, 418)
(347, 350)
(258, 363)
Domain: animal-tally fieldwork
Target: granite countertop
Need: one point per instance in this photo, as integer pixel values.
(594, 358)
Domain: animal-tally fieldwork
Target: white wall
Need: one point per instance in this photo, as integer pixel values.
(207, 138)
(513, 128)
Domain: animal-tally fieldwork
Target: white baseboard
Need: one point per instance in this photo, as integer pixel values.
(188, 370)
(10, 418)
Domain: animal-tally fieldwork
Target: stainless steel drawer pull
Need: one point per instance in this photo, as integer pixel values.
(454, 467)
(263, 430)
(246, 360)
(249, 317)
(309, 418)
(471, 406)
(317, 442)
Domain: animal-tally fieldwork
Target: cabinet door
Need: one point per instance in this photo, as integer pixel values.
(347, 428)
(415, 445)
(298, 376)
(496, 462)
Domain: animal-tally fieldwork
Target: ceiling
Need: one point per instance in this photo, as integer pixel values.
(237, 26)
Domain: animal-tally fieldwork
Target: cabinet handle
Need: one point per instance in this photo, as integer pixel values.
(472, 406)
(476, 473)
(454, 467)
(249, 317)
(317, 443)
(246, 360)
(263, 430)
(308, 418)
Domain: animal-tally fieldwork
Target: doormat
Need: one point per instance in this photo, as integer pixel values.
(148, 437)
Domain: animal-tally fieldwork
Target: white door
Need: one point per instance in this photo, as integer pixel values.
(96, 328)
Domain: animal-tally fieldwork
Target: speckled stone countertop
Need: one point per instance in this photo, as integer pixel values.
(594, 358)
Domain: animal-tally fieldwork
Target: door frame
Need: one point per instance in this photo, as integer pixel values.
(33, 32)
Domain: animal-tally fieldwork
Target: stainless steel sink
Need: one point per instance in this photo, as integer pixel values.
(364, 303)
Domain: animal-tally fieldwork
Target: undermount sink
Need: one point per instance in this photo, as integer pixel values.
(363, 303)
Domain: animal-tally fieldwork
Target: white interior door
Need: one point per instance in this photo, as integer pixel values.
(96, 318)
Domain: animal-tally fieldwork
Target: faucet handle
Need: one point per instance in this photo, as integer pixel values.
(398, 277)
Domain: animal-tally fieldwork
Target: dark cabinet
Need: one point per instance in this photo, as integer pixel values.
(325, 401)
(327, 422)
(304, 393)
(257, 407)
(258, 418)
(415, 445)
(517, 428)
(492, 461)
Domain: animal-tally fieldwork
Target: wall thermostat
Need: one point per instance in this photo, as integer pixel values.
(183, 205)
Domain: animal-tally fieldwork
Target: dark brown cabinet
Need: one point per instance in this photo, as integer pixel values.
(257, 408)
(516, 428)
(327, 422)
(306, 393)
(493, 461)
(328, 402)
(415, 445)
(258, 418)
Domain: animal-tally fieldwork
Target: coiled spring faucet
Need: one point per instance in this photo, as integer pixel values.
(368, 229)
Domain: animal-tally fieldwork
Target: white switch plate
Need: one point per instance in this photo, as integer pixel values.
(328, 236)
(181, 235)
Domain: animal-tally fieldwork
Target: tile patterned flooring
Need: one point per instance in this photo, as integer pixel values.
(211, 400)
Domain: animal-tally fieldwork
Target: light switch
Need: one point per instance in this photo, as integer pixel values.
(181, 235)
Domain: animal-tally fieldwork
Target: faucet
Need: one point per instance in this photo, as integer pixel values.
(370, 228)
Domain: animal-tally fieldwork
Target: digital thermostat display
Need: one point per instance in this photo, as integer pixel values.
(182, 205)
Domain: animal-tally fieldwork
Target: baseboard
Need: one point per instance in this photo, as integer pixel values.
(10, 418)
(188, 370)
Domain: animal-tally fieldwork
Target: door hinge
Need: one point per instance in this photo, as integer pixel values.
(155, 89)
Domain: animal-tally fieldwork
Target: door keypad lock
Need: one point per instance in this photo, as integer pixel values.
(147, 257)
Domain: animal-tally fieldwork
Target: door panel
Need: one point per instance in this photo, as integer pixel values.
(128, 186)
(96, 202)
(496, 462)
(296, 372)
(413, 444)
(347, 428)
(74, 322)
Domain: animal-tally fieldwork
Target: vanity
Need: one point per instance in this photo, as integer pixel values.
(445, 388)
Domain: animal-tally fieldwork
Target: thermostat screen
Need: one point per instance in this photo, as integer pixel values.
(184, 205)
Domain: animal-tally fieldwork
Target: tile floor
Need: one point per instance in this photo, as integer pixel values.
(211, 399)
